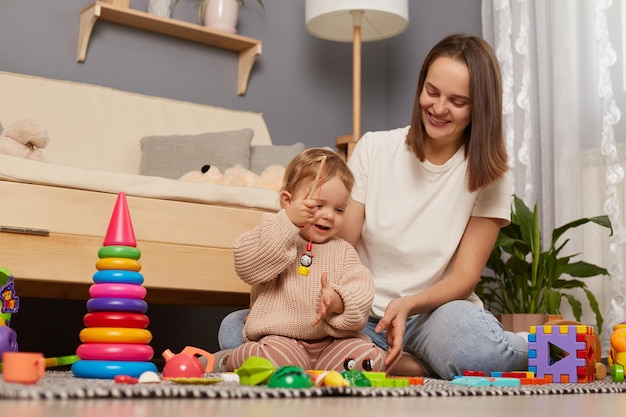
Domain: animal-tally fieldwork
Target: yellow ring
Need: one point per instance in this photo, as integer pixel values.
(125, 264)
(115, 335)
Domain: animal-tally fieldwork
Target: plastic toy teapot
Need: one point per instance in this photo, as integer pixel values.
(185, 364)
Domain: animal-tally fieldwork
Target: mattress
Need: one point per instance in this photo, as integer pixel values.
(44, 173)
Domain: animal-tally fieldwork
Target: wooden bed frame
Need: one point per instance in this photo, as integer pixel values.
(50, 235)
(186, 247)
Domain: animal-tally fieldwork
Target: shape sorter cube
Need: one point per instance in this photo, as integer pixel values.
(563, 353)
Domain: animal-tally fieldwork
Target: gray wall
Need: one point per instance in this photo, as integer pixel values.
(303, 86)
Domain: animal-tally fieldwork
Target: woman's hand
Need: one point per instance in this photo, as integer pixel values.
(394, 322)
(330, 301)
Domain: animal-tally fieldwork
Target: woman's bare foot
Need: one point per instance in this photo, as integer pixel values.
(407, 366)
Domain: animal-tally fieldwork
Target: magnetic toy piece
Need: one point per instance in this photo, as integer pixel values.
(349, 363)
(129, 252)
(125, 264)
(118, 276)
(115, 351)
(117, 290)
(110, 369)
(116, 319)
(114, 335)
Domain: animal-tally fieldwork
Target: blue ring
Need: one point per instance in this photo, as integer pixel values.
(119, 276)
(110, 369)
(132, 305)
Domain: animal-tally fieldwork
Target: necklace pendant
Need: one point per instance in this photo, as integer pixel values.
(305, 262)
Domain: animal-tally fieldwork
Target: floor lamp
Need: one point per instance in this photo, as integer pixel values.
(355, 21)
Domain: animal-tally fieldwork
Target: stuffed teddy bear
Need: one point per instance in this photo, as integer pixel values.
(24, 139)
(271, 178)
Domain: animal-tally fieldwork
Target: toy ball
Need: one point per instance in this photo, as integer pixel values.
(290, 377)
(8, 339)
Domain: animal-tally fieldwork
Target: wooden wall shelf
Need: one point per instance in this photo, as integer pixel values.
(249, 49)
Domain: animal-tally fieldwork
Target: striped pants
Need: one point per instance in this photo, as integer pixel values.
(326, 354)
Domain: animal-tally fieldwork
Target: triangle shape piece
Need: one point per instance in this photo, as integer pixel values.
(120, 231)
(556, 353)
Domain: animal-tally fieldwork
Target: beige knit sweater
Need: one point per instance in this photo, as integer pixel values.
(284, 302)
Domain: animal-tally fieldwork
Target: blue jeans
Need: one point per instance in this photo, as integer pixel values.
(455, 337)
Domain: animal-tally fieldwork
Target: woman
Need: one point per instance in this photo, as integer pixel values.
(426, 209)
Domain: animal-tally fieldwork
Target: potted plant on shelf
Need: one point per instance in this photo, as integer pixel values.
(221, 14)
(525, 279)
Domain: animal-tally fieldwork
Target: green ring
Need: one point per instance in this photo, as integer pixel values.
(617, 372)
(128, 252)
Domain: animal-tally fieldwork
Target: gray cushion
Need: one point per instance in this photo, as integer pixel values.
(262, 156)
(173, 156)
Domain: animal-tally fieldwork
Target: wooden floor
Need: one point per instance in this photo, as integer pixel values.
(571, 405)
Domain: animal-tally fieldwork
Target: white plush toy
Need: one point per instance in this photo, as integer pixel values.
(271, 178)
(24, 139)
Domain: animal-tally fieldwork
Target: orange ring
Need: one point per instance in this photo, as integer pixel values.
(125, 264)
(115, 335)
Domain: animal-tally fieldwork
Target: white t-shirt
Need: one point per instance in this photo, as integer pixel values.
(415, 213)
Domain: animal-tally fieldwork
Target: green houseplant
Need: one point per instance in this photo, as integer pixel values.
(527, 279)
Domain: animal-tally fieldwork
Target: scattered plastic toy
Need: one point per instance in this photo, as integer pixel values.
(290, 377)
(255, 371)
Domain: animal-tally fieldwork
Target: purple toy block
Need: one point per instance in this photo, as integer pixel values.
(556, 353)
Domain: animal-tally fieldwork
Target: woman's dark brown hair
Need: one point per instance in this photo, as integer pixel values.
(485, 150)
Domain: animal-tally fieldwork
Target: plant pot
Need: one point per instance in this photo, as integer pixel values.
(221, 15)
(522, 322)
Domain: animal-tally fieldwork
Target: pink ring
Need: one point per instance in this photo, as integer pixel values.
(115, 352)
(117, 290)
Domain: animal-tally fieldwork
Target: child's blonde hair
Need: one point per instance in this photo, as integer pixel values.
(304, 167)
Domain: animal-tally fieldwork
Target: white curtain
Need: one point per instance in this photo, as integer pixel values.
(563, 90)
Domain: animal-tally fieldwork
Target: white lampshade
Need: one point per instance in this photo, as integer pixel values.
(332, 19)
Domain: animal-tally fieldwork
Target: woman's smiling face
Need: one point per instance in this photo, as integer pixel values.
(445, 100)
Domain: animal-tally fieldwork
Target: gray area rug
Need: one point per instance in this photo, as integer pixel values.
(63, 385)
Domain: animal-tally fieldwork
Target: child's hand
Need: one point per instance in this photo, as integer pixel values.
(330, 301)
(301, 212)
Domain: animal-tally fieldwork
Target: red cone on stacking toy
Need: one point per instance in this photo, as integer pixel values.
(120, 231)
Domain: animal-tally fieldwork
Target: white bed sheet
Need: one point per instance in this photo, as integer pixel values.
(44, 173)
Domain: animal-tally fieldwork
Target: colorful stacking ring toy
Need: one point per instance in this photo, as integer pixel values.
(118, 276)
(118, 263)
(110, 369)
(116, 319)
(114, 335)
(119, 252)
(117, 304)
(117, 290)
(115, 352)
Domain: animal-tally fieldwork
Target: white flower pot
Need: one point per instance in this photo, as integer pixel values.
(161, 8)
(222, 15)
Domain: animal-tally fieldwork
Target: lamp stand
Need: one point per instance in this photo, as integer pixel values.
(346, 143)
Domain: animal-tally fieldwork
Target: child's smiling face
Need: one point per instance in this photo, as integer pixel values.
(331, 206)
